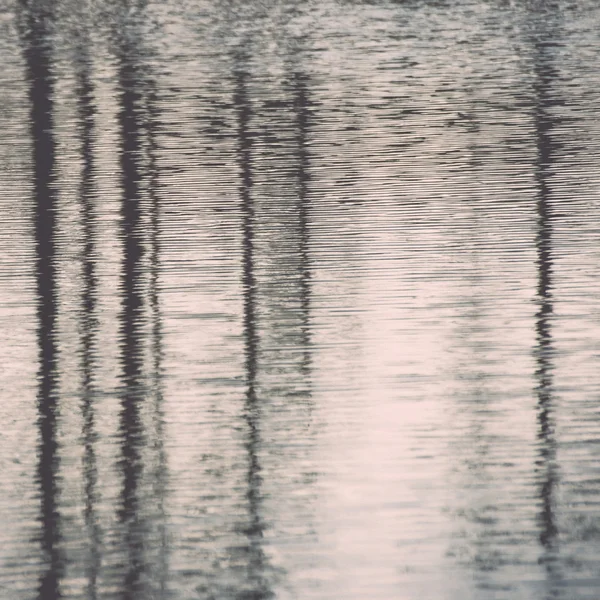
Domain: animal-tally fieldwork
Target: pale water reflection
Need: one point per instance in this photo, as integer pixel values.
(299, 300)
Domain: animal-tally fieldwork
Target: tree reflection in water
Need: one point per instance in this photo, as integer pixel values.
(36, 20)
(143, 461)
(545, 99)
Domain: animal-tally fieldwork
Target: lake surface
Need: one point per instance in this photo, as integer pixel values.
(299, 300)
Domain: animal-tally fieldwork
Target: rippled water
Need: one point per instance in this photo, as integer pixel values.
(299, 300)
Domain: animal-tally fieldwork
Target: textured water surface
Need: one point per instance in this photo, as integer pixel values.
(299, 300)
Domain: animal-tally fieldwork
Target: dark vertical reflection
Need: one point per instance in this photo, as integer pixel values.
(36, 20)
(142, 463)
(545, 74)
(276, 288)
(258, 586)
(89, 324)
(131, 426)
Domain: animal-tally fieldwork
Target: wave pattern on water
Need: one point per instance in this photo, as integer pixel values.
(299, 299)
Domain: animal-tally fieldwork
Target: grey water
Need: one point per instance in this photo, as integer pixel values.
(299, 300)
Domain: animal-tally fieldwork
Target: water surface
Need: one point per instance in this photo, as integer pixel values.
(299, 300)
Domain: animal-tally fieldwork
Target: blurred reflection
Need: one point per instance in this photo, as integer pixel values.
(302, 113)
(283, 211)
(480, 543)
(89, 321)
(254, 530)
(159, 478)
(276, 283)
(36, 19)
